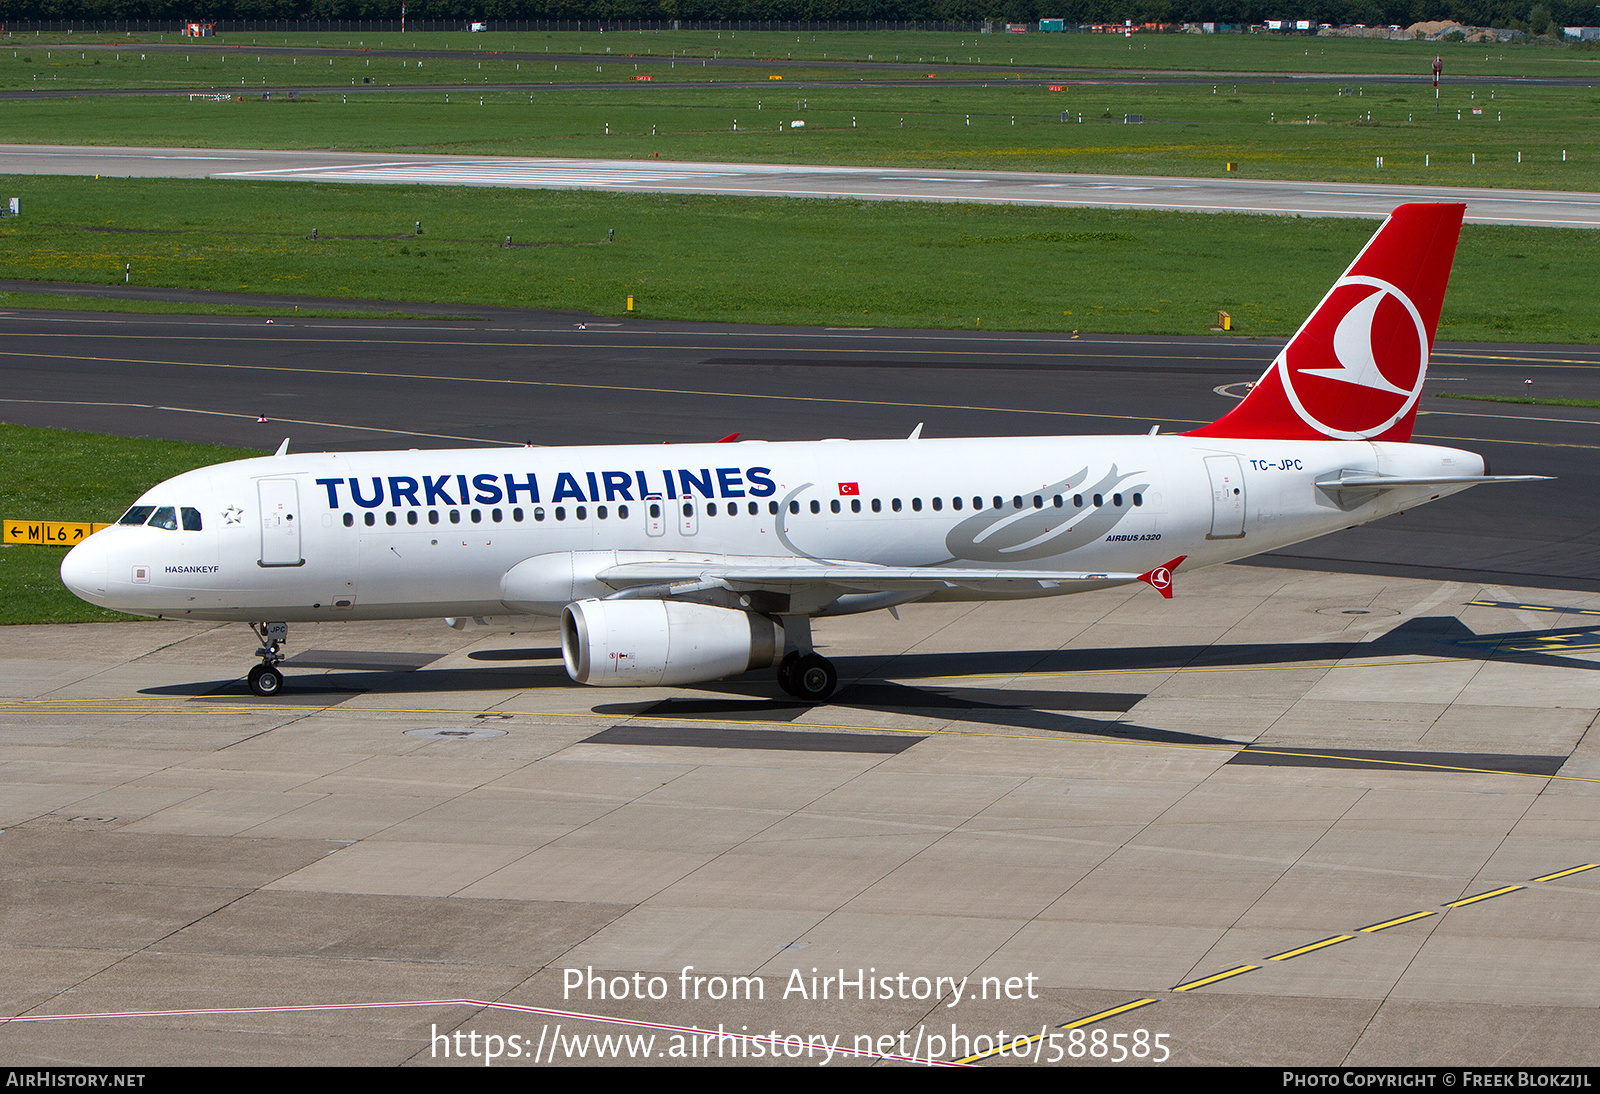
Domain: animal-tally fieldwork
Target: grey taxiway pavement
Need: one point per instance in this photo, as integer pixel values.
(1291, 816)
(1548, 208)
(1286, 819)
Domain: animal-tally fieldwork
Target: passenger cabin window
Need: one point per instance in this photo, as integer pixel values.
(349, 520)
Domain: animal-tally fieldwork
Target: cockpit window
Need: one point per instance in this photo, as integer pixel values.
(137, 515)
(165, 517)
(191, 519)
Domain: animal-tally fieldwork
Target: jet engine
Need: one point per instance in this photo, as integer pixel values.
(649, 643)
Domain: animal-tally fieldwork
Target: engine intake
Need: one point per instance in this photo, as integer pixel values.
(650, 643)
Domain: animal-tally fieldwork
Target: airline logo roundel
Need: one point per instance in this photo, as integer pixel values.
(1358, 366)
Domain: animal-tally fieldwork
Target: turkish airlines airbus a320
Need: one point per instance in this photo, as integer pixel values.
(680, 564)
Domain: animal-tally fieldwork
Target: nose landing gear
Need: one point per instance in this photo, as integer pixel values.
(265, 680)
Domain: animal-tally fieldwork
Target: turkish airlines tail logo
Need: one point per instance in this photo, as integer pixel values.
(1355, 369)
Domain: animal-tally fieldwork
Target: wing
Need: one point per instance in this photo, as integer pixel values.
(786, 575)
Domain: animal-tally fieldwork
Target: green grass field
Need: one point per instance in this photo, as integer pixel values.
(53, 474)
(816, 262)
(1525, 136)
(1267, 131)
(54, 301)
(1169, 53)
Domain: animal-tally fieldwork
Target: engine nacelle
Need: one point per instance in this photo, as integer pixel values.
(650, 643)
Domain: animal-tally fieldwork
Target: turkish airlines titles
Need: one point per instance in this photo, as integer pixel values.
(488, 488)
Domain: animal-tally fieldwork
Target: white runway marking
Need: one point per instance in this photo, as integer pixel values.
(1238, 195)
(777, 180)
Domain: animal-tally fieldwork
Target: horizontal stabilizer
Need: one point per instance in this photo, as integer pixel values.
(1390, 482)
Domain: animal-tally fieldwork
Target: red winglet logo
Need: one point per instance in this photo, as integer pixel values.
(1160, 579)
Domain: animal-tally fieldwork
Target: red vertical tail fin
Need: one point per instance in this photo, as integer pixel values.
(1354, 370)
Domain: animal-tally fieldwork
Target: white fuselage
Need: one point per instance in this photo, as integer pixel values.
(383, 535)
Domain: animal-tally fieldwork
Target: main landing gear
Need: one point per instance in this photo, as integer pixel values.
(265, 680)
(803, 672)
(809, 677)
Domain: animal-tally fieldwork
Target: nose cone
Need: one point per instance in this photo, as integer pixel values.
(83, 571)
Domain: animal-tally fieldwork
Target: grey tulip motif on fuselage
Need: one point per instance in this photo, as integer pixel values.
(1028, 534)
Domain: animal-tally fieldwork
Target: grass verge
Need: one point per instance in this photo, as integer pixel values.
(1524, 400)
(42, 301)
(55, 474)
